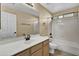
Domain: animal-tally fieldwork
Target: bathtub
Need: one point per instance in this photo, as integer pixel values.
(65, 46)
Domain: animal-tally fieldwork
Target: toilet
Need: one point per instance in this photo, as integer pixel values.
(52, 47)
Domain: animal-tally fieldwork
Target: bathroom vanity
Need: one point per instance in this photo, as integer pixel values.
(40, 49)
(36, 46)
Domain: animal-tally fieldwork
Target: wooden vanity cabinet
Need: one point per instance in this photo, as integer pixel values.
(23, 53)
(46, 48)
(36, 50)
(41, 49)
(37, 53)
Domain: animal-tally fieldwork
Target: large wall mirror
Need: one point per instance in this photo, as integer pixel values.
(0, 20)
(0, 16)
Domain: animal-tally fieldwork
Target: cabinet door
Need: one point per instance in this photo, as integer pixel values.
(46, 50)
(36, 48)
(37, 53)
(24, 53)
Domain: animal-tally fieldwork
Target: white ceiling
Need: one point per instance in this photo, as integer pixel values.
(52, 7)
(56, 7)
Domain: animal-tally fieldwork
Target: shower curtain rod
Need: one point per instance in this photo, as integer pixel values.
(70, 12)
(67, 13)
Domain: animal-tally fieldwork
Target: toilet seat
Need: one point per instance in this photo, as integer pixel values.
(53, 45)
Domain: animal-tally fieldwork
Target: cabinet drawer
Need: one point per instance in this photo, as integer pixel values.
(37, 53)
(45, 42)
(23, 53)
(36, 47)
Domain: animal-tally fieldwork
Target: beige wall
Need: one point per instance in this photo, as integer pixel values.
(44, 15)
(24, 21)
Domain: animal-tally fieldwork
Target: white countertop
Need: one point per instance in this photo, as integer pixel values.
(16, 45)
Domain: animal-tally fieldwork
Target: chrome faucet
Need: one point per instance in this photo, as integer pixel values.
(27, 37)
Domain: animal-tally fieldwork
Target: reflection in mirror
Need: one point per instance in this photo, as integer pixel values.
(8, 25)
(36, 26)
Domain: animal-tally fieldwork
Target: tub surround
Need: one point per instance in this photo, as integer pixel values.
(19, 44)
